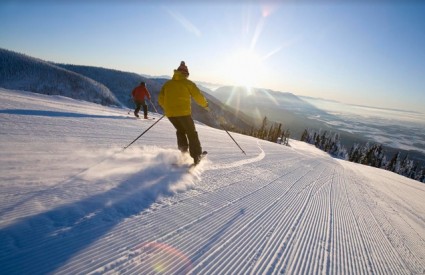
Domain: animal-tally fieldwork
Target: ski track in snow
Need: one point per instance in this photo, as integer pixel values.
(72, 202)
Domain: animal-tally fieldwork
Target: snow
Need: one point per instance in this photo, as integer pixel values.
(72, 201)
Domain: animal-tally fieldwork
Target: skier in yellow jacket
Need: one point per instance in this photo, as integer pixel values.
(175, 99)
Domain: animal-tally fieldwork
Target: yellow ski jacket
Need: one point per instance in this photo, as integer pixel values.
(175, 96)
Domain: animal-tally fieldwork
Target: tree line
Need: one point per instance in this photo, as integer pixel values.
(270, 131)
(371, 155)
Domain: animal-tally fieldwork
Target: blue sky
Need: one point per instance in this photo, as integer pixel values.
(359, 52)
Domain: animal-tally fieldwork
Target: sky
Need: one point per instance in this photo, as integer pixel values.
(357, 52)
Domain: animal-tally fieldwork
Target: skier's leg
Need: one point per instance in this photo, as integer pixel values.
(195, 148)
(145, 109)
(138, 106)
(182, 142)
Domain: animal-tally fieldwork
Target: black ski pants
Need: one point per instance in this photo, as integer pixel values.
(139, 104)
(187, 137)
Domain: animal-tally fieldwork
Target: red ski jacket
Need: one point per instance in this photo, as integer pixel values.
(140, 92)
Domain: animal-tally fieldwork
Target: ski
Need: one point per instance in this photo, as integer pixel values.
(201, 157)
(141, 118)
(189, 167)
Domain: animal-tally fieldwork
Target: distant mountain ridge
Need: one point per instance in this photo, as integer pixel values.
(22, 72)
(237, 108)
(122, 83)
(282, 107)
(99, 85)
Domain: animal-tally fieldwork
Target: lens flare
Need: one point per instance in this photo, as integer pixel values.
(159, 258)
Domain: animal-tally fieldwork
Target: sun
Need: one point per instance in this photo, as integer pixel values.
(244, 68)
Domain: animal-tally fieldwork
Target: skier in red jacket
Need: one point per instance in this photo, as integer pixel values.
(139, 93)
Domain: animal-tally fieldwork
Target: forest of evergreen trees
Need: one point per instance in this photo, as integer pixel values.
(271, 131)
(371, 155)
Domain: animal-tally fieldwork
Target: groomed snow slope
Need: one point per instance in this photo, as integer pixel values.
(72, 202)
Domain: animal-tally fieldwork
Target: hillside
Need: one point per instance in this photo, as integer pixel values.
(122, 83)
(237, 108)
(72, 202)
(118, 82)
(285, 108)
(99, 85)
(22, 72)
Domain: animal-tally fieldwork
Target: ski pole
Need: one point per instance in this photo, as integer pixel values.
(222, 127)
(156, 111)
(232, 139)
(143, 133)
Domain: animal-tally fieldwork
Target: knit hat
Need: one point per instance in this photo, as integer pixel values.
(182, 68)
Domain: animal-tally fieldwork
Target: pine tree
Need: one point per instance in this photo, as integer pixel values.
(363, 158)
(421, 175)
(414, 171)
(406, 166)
(317, 140)
(304, 136)
(393, 165)
(353, 155)
(379, 156)
(262, 131)
(287, 135)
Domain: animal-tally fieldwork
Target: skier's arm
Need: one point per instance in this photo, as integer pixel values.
(198, 96)
(161, 98)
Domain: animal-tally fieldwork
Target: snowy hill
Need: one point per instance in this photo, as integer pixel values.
(22, 72)
(72, 202)
(120, 83)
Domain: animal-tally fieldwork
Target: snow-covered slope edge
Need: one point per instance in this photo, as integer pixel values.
(22, 72)
(72, 203)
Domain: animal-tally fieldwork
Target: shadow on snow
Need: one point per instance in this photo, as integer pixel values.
(24, 112)
(44, 242)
